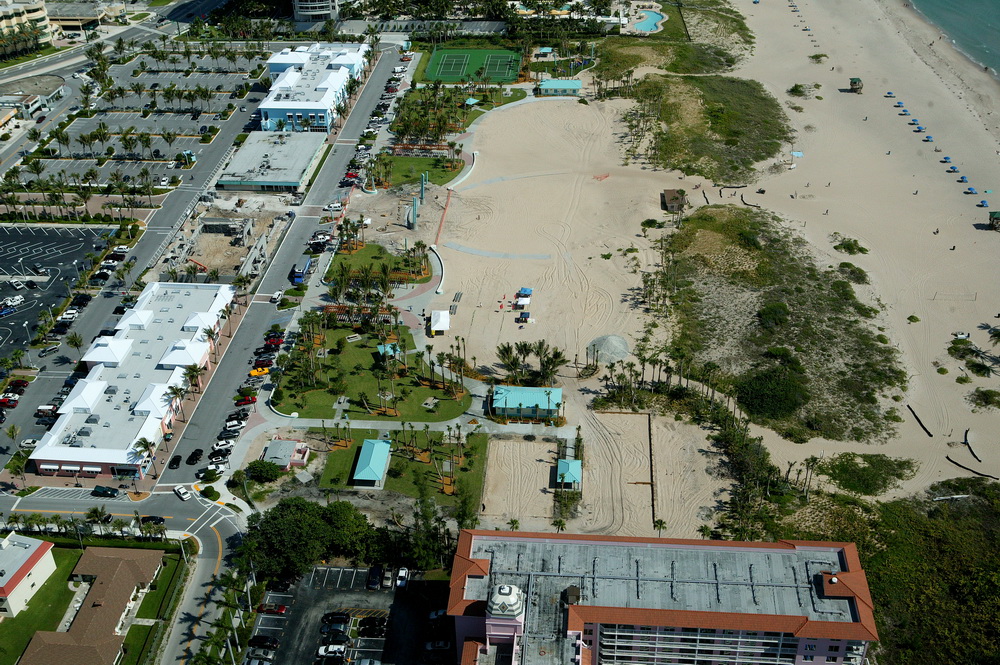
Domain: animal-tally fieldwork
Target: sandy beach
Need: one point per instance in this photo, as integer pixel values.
(553, 205)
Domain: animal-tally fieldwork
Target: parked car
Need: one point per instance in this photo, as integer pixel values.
(227, 434)
(195, 456)
(387, 579)
(8, 403)
(373, 621)
(401, 577)
(372, 631)
(235, 424)
(243, 401)
(219, 455)
(109, 492)
(216, 468)
(337, 621)
(264, 642)
(175, 462)
(374, 578)
(262, 362)
(440, 645)
(271, 608)
(260, 371)
(220, 445)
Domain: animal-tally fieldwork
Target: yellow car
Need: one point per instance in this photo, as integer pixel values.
(260, 371)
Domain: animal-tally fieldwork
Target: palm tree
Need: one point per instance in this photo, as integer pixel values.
(192, 374)
(659, 525)
(559, 524)
(513, 524)
(705, 531)
(212, 336)
(178, 394)
(144, 447)
(97, 514)
(75, 340)
(119, 525)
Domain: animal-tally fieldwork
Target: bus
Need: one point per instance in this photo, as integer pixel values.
(301, 269)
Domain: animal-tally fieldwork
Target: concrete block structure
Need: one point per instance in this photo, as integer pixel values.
(544, 599)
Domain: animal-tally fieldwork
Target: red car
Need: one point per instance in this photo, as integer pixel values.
(271, 608)
(392, 90)
(19, 383)
(263, 362)
(8, 403)
(240, 401)
(275, 341)
(351, 174)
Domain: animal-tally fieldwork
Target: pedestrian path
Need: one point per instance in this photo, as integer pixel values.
(75, 493)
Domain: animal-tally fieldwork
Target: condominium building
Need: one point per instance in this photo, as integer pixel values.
(311, 11)
(545, 599)
(24, 22)
(126, 397)
(25, 564)
(308, 83)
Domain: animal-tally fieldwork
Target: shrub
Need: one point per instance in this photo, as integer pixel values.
(869, 474)
(852, 273)
(850, 246)
(986, 399)
(773, 315)
(5, 136)
(776, 392)
(210, 493)
(262, 471)
(798, 90)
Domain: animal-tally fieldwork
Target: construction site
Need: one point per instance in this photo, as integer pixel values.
(234, 235)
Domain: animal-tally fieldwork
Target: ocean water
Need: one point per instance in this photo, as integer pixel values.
(973, 26)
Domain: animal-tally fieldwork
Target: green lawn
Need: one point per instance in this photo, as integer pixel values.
(403, 470)
(494, 100)
(357, 361)
(140, 16)
(137, 643)
(159, 3)
(370, 253)
(44, 611)
(166, 581)
(48, 50)
(407, 170)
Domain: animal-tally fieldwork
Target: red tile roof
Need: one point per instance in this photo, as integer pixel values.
(851, 584)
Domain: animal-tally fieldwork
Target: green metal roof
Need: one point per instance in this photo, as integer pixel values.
(372, 462)
(511, 397)
(569, 471)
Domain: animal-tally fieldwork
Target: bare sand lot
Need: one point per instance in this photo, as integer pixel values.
(517, 484)
(685, 486)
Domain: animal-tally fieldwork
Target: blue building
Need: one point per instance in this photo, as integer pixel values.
(373, 462)
(522, 402)
(559, 88)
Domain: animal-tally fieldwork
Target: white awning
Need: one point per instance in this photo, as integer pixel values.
(440, 320)
(92, 469)
(49, 467)
(70, 467)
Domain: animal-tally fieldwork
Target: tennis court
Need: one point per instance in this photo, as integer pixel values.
(453, 65)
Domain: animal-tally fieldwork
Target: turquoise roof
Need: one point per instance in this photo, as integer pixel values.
(561, 84)
(569, 471)
(387, 350)
(372, 462)
(510, 397)
(545, 49)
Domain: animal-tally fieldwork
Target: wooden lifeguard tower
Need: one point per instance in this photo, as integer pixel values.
(857, 85)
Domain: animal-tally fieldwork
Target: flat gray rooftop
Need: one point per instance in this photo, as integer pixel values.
(273, 157)
(15, 550)
(667, 577)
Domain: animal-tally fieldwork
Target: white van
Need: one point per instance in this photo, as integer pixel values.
(16, 284)
(13, 301)
(399, 70)
(276, 296)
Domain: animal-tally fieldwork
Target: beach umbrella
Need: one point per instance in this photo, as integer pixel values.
(971, 190)
(946, 160)
(963, 179)
(899, 105)
(952, 170)
(914, 121)
(919, 128)
(984, 204)
(904, 112)
(890, 94)
(929, 139)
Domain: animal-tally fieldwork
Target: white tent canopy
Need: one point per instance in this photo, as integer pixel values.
(440, 320)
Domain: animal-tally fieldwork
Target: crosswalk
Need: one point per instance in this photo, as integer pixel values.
(67, 493)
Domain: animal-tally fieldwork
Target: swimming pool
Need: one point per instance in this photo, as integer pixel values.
(650, 23)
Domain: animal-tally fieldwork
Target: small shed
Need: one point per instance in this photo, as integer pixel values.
(569, 473)
(388, 350)
(286, 454)
(373, 463)
(440, 322)
(673, 200)
(560, 88)
(544, 51)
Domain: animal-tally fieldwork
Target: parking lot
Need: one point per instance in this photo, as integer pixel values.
(339, 589)
(54, 249)
(157, 123)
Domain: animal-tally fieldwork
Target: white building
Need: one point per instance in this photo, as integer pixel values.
(312, 11)
(125, 396)
(25, 564)
(308, 83)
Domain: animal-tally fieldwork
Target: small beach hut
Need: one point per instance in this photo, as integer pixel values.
(995, 220)
(373, 462)
(524, 402)
(856, 85)
(673, 200)
(569, 473)
(440, 322)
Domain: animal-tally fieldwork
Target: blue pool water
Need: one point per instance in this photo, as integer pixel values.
(648, 24)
